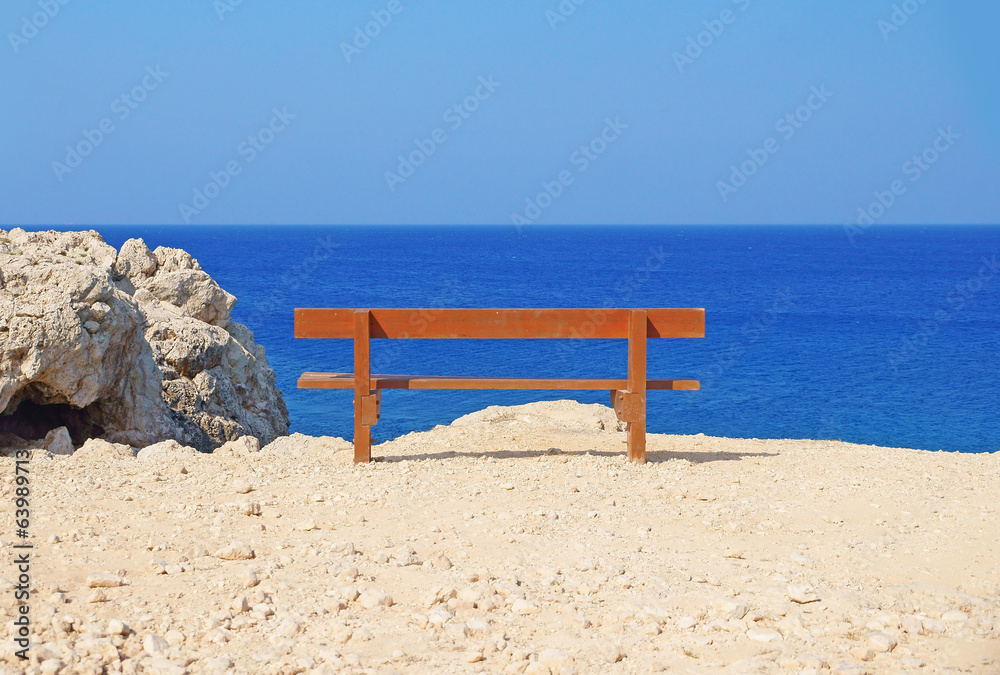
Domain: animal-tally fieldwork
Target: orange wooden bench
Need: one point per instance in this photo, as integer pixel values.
(628, 395)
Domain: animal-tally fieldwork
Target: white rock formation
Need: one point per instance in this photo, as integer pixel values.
(135, 347)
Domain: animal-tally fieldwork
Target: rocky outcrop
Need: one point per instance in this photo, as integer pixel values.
(135, 347)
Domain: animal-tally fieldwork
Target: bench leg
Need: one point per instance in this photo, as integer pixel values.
(362, 385)
(637, 331)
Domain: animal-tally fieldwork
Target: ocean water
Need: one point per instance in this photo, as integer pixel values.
(890, 339)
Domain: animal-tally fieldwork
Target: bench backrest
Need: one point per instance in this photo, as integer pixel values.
(499, 323)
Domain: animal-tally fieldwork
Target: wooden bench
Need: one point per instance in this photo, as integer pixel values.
(628, 395)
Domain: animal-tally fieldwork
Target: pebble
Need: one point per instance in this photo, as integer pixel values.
(728, 608)
(102, 580)
(248, 508)
(802, 594)
(116, 627)
(217, 664)
(305, 526)
(686, 622)
(235, 551)
(242, 486)
(881, 642)
(911, 624)
(613, 654)
(97, 595)
(240, 604)
(763, 634)
(248, 578)
(933, 626)
(522, 607)
(375, 597)
(557, 661)
(955, 616)
(154, 644)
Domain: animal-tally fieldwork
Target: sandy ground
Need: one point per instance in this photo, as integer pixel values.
(517, 540)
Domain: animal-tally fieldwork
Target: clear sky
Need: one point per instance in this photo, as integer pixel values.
(289, 113)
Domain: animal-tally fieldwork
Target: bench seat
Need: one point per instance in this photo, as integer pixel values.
(346, 381)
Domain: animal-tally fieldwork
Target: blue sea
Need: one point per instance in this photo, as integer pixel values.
(888, 337)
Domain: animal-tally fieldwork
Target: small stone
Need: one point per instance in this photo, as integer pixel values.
(248, 578)
(523, 607)
(216, 665)
(686, 622)
(802, 594)
(733, 553)
(289, 628)
(235, 551)
(375, 597)
(441, 562)
(911, 624)
(881, 642)
(862, 653)
(58, 442)
(240, 604)
(174, 638)
(728, 608)
(305, 526)
(101, 580)
(242, 486)
(116, 627)
(934, 626)
(158, 566)
(613, 654)
(537, 668)
(97, 595)
(557, 661)
(763, 635)
(154, 644)
(585, 565)
(473, 657)
(812, 661)
(249, 508)
(955, 616)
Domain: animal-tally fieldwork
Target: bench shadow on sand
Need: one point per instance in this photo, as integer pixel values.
(652, 456)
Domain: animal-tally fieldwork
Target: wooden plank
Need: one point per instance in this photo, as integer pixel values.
(500, 323)
(377, 382)
(362, 385)
(634, 405)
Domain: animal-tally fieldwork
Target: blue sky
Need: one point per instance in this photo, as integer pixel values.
(263, 104)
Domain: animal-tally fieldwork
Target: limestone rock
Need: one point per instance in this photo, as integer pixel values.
(166, 451)
(235, 551)
(58, 442)
(99, 450)
(135, 347)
